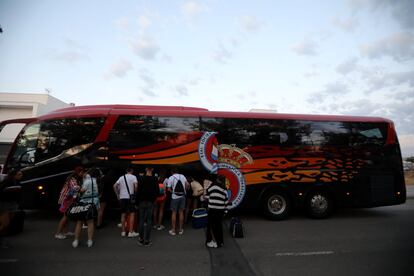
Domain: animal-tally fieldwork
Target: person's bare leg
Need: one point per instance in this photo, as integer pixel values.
(123, 215)
(90, 229)
(173, 220)
(78, 230)
(161, 213)
(181, 219)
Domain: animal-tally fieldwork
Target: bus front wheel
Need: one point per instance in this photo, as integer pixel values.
(276, 205)
(319, 204)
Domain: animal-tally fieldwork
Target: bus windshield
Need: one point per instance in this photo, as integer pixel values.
(39, 142)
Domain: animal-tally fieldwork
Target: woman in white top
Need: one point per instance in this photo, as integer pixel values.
(88, 194)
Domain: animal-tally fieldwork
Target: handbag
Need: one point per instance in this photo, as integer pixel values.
(132, 197)
(79, 211)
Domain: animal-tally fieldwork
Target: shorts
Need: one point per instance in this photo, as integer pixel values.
(178, 204)
(126, 206)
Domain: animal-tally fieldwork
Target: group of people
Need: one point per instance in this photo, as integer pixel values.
(142, 201)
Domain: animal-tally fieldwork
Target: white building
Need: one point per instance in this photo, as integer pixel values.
(22, 105)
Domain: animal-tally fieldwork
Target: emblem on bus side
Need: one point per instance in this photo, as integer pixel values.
(225, 160)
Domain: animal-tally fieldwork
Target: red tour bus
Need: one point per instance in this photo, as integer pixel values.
(274, 162)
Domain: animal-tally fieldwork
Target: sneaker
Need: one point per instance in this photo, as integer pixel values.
(133, 234)
(212, 244)
(69, 234)
(171, 232)
(119, 225)
(123, 234)
(141, 241)
(89, 243)
(75, 243)
(60, 237)
(160, 227)
(84, 226)
(181, 232)
(147, 243)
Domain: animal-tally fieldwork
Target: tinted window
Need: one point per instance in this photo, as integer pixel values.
(320, 133)
(26, 146)
(248, 132)
(140, 131)
(55, 136)
(369, 133)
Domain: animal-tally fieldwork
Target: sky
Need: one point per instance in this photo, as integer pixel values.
(350, 57)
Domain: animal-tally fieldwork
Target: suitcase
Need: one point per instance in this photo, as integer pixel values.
(16, 223)
(236, 228)
(199, 218)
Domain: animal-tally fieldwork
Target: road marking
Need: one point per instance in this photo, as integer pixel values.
(4, 261)
(311, 253)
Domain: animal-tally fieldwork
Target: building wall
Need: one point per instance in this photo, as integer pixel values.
(22, 105)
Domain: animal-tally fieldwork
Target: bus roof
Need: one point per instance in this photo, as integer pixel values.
(181, 111)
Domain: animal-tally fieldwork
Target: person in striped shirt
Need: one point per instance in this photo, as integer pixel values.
(216, 197)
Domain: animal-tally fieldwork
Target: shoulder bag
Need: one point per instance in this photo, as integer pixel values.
(79, 210)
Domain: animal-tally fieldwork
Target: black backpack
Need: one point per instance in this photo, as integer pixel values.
(236, 228)
(179, 188)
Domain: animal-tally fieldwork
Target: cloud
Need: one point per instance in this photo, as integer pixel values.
(331, 90)
(118, 69)
(401, 10)
(347, 25)
(347, 67)
(144, 22)
(70, 56)
(123, 23)
(145, 47)
(149, 83)
(250, 24)
(192, 9)
(222, 54)
(307, 47)
(182, 90)
(310, 75)
(376, 79)
(399, 46)
(72, 52)
(407, 144)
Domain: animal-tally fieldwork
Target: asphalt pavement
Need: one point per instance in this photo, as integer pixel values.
(376, 241)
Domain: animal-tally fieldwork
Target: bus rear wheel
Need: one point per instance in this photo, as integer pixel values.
(276, 205)
(319, 204)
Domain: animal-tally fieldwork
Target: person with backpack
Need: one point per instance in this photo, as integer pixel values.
(216, 196)
(177, 186)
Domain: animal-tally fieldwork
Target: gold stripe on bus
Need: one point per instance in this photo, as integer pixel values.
(170, 161)
(165, 153)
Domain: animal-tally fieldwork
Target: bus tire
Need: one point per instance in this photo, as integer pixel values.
(276, 205)
(319, 204)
